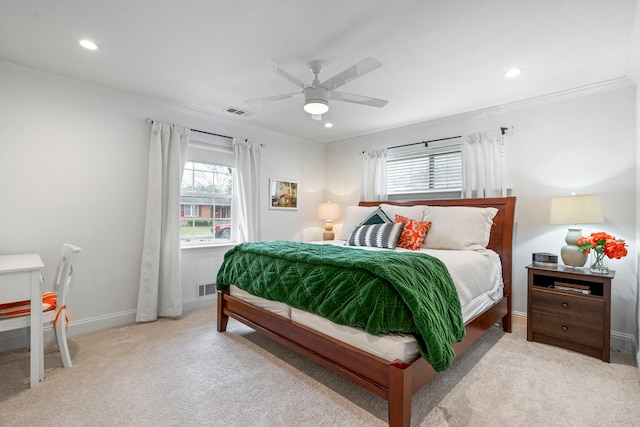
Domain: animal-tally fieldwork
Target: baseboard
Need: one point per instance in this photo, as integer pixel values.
(519, 318)
(18, 339)
(194, 303)
(625, 342)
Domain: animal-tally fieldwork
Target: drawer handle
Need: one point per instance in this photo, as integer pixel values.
(565, 305)
(565, 328)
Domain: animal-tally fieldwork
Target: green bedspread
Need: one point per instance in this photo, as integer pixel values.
(378, 291)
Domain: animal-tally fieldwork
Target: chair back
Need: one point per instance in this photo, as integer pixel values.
(64, 271)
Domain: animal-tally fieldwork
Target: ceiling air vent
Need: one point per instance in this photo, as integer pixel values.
(238, 112)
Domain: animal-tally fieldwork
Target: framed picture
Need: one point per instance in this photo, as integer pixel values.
(283, 194)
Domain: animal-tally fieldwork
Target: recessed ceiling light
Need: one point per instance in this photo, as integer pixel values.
(328, 125)
(88, 44)
(514, 72)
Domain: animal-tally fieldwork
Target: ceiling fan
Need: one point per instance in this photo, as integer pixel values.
(317, 95)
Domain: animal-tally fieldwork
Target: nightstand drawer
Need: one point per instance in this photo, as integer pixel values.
(569, 329)
(588, 308)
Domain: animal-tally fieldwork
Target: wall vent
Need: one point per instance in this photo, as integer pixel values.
(238, 112)
(206, 289)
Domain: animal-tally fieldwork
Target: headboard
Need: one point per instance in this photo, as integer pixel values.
(501, 239)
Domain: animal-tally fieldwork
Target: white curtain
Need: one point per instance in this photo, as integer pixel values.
(373, 186)
(160, 292)
(247, 155)
(483, 165)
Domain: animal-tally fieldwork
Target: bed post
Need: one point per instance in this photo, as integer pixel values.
(507, 319)
(506, 257)
(399, 395)
(223, 319)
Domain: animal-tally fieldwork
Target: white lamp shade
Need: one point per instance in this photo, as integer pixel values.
(329, 211)
(576, 210)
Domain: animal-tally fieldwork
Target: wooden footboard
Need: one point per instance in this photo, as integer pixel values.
(394, 381)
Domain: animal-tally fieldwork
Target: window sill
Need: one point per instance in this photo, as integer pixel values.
(209, 246)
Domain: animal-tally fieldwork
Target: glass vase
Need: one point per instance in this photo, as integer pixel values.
(598, 263)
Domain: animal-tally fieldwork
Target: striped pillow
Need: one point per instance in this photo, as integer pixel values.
(377, 235)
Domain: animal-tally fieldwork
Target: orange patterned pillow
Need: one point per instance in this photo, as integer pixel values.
(413, 232)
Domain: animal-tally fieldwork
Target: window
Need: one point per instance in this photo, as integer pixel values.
(190, 210)
(428, 172)
(205, 203)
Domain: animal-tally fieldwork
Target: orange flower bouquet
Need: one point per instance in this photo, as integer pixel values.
(602, 244)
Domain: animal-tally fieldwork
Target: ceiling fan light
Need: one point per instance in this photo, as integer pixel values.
(316, 106)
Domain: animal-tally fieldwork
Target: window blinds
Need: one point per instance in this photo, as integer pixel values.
(420, 169)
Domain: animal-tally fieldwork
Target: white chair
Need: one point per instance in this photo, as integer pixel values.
(15, 315)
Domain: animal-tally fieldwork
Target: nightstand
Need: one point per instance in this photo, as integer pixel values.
(570, 308)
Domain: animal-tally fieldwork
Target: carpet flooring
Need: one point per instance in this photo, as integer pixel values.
(182, 372)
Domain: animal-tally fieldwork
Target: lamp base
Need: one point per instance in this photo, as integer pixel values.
(328, 233)
(571, 254)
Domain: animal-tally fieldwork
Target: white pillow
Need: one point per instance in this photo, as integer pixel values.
(458, 227)
(412, 212)
(353, 216)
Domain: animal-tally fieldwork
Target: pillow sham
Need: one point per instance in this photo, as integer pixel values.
(377, 217)
(353, 216)
(458, 227)
(377, 235)
(413, 233)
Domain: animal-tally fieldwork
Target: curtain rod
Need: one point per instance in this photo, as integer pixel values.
(196, 130)
(503, 130)
(425, 142)
(208, 133)
(211, 133)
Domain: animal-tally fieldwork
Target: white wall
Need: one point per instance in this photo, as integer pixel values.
(73, 169)
(583, 144)
(73, 164)
(634, 74)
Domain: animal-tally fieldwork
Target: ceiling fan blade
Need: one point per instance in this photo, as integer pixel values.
(351, 73)
(272, 98)
(358, 99)
(275, 68)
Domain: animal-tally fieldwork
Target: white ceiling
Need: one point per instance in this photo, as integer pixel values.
(439, 57)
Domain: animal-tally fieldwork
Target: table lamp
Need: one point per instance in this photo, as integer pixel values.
(575, 210)
(328, 211)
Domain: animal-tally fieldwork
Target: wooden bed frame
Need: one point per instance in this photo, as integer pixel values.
(394, 381)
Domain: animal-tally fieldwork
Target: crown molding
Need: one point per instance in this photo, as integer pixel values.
(604, 86)
(224, 120)
(607, 85)
(100, 89)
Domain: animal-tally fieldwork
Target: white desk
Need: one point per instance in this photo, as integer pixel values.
(20, 279)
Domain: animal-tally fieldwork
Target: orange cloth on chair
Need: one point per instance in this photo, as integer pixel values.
(20, 308)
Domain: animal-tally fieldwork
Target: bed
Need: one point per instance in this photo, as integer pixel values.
(394, 380)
